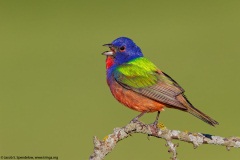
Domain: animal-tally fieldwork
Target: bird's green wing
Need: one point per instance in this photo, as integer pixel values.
(138, 73)
(143, 77)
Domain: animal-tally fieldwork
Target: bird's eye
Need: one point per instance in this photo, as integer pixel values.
(122, 48)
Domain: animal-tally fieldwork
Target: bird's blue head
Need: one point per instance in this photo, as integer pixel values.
(123, 50)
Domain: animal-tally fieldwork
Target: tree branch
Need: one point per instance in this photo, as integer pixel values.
(102, 148)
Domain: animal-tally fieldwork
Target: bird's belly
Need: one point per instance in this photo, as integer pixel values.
(134, 100)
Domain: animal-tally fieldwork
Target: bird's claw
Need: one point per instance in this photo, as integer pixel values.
(134, 120)
(155, 123)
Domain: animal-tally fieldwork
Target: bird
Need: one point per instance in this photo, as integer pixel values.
(138, 84)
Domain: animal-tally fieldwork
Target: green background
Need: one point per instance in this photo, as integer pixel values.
(53, 93)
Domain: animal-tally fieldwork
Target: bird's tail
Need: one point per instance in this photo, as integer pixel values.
(194, 111)
(197, 113)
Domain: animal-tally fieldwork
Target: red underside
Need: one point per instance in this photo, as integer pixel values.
(134, 100)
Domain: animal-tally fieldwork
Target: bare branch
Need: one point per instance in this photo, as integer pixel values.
(102, 148)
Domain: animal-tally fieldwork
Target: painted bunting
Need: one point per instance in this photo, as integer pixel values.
(138, 84)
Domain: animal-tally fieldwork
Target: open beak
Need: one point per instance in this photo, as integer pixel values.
(108, 45)
(108, 53)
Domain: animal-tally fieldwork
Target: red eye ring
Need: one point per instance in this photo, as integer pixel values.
(122, 48)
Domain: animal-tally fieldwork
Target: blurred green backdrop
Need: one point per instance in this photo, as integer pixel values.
(53, 93)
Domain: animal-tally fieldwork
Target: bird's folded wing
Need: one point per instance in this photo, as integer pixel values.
(149, 82)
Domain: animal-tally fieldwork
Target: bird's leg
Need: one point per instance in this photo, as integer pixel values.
(136, 118)
(156, 120)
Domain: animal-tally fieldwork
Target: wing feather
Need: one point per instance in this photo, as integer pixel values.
(150, 83)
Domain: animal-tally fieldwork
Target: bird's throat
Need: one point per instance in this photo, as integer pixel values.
(109, 62)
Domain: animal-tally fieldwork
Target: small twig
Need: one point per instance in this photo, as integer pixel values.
(102, 148)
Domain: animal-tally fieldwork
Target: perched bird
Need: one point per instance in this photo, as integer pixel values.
(138, 84)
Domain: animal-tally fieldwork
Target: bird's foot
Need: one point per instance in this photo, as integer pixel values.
(134, 120)
(155, 123)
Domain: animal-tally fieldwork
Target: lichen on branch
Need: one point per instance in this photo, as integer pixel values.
(102, 148)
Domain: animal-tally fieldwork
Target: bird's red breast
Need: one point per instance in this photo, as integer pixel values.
(132, 99)
(109, 62)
